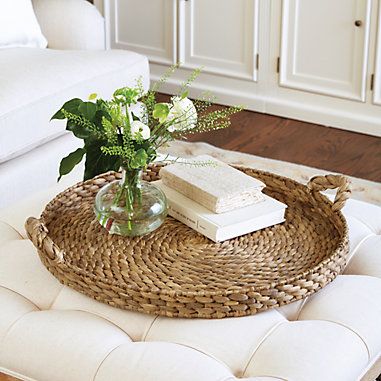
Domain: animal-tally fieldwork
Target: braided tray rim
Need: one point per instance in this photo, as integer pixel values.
(53, 257)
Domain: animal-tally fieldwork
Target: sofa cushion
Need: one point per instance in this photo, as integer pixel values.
(19, 26)
(23, 177)
(36, 82)
(87, 25)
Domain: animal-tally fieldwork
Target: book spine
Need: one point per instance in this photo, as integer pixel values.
(189, 190)
(191, 219)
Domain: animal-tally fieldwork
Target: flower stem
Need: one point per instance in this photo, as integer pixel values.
(128, 194)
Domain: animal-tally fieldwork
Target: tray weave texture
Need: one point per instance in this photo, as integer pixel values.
(176, 272)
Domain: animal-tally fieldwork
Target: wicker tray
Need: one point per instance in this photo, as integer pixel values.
(177, 272)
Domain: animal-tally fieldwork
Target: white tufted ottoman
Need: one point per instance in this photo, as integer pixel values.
(49, 332)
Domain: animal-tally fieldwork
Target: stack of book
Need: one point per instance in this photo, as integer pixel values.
(218, 200)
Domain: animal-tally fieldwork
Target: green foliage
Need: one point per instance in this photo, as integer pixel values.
(110, 131)
(70, 106)
(70, 161)
(126, 153)
(79, 126)
(126, 95)
(184, 91)
(87, 110)
(149, 99)
(204, 102)
(212, 121)
(96, 161)
(105, 125)
(165, 77)
(139, 160)
(161, 111)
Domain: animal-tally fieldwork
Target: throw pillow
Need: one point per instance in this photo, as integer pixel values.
(19, 26)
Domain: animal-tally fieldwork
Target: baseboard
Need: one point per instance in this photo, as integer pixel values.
(330, 117)
(349, 121)
(224, 96)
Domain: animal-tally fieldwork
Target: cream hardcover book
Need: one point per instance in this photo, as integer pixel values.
(223, 226)
(216, 185)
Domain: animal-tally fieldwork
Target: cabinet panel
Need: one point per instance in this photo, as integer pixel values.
(322, 49)
(221, 35)
(377, 69)
(148, 27)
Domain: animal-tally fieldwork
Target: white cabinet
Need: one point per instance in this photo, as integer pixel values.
(377, 70)
(209, 31)
(305, 59)
(324, 46)
(145, 26)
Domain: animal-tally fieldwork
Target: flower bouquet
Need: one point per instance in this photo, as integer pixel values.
(126, 132)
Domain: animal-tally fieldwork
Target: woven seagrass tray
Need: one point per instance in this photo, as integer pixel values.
(176, 272)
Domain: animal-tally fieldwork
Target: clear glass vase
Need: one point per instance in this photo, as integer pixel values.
(130, 206)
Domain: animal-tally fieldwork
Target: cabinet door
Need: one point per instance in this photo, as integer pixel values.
(377, 68)
(324, 46)
(148, 27)
(220, 35)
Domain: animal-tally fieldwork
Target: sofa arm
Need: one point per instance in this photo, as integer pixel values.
(70, 24)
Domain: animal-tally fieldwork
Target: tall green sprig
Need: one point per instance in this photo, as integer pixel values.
(212, 121)
(149, 99)
(184, 91)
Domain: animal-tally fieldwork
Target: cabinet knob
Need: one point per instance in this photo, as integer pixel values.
(358, 23)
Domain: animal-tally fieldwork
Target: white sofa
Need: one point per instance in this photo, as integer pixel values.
(49, 332)
(35, 82)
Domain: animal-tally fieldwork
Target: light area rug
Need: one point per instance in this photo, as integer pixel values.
(363, 190)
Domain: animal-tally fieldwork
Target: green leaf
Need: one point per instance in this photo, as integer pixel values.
(58, 115)
(78, 131)
(107, 125)
(70, 106)
(161, 111)
(73, 105)
(139, 160)
(70, 161)
(92, 96)
(88, 110)
(134, 117)
(151, 153)
(99, 115)
(119, 92)
(101, 104)
(96, 161)
(126, 95)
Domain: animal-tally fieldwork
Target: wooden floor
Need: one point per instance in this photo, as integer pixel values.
(4, 377)
(298, 142)
(285, 139)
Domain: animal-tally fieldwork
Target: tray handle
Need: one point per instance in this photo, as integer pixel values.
(38, 233)
(321, 183)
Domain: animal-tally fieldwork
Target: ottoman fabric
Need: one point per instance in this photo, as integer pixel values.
(50, 332)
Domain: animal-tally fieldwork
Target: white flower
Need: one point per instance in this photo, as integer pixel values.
(140, 130)
(139, 110)
(183, 113)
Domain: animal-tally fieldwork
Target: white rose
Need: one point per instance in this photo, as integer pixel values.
(139, 109)
(184, 113)
(139, 129)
